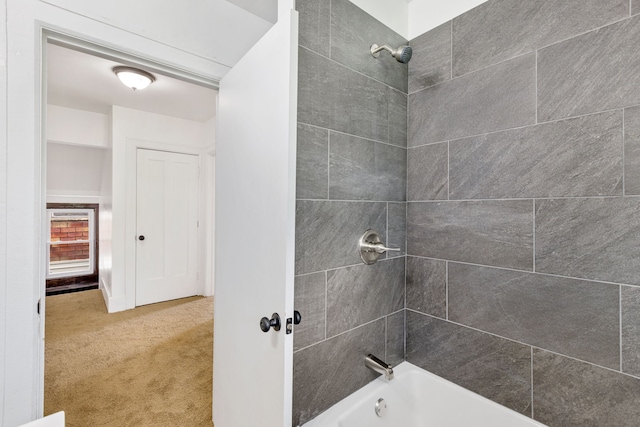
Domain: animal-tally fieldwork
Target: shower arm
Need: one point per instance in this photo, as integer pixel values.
(375, 50)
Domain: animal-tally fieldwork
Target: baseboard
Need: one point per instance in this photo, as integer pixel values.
(114, 304)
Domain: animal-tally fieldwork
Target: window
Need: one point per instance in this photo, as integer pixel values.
(71, 243)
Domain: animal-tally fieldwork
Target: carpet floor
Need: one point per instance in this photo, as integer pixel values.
(151, 366)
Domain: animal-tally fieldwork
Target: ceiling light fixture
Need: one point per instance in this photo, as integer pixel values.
(133, 77)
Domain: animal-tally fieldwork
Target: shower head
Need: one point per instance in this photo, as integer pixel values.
(402, 53)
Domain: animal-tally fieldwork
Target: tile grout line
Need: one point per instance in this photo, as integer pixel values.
(516, 56)
(534, 233)
(624, 18)
(359, 264)
(536, 86)
(386, 336)
(451, 51)
(351, 69)
(448, 170)
(377, 319)
(532, 409)
(524, 343)
(531, 125)
(624, 141)
(620, 324)
(582, 279)
(339, 132)
(505, 199)
(326, 297)
(446, 289)
(387, 230)
(328, 165)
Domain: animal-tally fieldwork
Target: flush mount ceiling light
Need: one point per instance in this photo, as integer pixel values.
(133, 77)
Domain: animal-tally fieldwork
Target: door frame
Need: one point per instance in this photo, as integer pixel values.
(83, 42)
(130, 244)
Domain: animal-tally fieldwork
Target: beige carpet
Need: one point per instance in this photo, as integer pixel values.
(151, 366)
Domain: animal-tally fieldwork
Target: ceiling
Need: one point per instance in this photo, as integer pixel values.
(265, 9)
(85, 82)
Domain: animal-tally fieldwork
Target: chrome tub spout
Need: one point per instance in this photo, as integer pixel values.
(379, 366)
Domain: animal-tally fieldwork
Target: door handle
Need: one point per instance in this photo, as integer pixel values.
(274, 322)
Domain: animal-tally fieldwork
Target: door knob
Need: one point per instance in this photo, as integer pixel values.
(297, 318)
(140, 237)
(274, 322)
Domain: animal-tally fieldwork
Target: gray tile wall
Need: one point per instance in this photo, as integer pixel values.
(351, 176)
(523, 229)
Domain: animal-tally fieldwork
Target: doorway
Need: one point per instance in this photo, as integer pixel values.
(89, 115)
(95, 120)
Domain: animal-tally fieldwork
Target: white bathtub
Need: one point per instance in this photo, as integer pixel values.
(417, 398)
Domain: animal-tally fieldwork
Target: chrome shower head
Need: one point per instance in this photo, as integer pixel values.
(401, 54)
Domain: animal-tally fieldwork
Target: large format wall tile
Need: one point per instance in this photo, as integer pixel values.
(575, 157)
(395, 338)
(353, 31)
(327, 232)
(502, 29)
(593, 72)
(635, 7)
(315, 25)
(427, 172)
(427, 286)
(327, 372)
(362, 293)
(493, 367)
(569, 393)
(309, 300)
(312, 166)
(360, 169)
(397, 232)
(541, 310)
(632, 151)
(500, 97)
(431, 61)
(630, 317)
(335, 97)
(397, 118)
(597, 239)
(497, 233)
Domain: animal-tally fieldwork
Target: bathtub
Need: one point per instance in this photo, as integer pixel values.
(417, 398)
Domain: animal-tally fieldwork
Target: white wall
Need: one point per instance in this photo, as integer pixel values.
(411, 18)
(392, 13)
(425, 15)
(133, 129)
(71, 126)
(105, 222)
(74, 170)
(153, 36)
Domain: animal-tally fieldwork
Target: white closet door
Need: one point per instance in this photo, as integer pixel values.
(166, 226)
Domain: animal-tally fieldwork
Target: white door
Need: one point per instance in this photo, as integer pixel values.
(255, 227)
(166, 226)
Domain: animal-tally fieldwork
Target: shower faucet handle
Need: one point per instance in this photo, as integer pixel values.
(371, 247)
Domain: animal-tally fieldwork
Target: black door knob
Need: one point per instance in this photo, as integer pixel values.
(140, 237)
(274, 322)
(297, 318)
